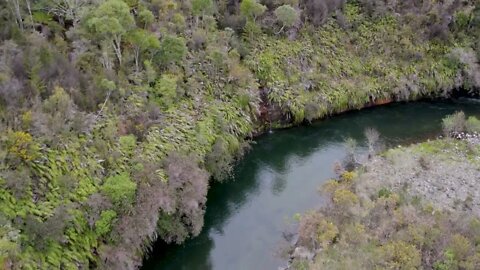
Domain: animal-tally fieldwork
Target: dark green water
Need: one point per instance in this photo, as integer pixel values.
(280, 176)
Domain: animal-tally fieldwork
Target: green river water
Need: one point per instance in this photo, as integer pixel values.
(247, 215)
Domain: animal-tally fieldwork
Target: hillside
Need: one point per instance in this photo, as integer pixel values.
(115, 115)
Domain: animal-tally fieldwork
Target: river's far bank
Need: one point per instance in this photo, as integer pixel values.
(411, 207)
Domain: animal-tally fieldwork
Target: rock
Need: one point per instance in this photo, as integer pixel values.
(303, 253)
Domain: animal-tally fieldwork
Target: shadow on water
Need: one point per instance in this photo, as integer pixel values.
(279, 177)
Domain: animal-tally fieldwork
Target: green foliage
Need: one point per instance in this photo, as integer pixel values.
(165, 90)
(172, 50)
(143, 40)
(146, 17)
(401, 255)
(110, 22)
(120, 189)
(454, 123)
(472, 125)
(104, 225)
(202, 7)
(384, 192)
(128, 144)
(110, 19)
(251, 9)
(287, 15)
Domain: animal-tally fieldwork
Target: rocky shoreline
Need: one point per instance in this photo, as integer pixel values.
(443, 174)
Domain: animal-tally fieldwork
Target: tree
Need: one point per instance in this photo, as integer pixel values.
(172, 50)
(287, 15)
(251, 9)
(67, 10)
(201, 8)
(142, 41)
(110, 22)
(16, 10)
(146, 17)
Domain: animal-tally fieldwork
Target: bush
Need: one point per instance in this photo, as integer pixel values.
(21, 145)
(472, 125)
(453, 124)
(326, 233)
(287, 15)
(219, 161)
(172, 50)
(344, 197)
(373, 140)
(401, 255)
(120, 189)
(104, 224)
(164, 92)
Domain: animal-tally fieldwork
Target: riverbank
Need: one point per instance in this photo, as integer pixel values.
(408, 208)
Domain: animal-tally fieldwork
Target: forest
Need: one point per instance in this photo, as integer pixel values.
(117, 115)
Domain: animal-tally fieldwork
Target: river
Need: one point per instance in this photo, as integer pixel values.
(280, 176)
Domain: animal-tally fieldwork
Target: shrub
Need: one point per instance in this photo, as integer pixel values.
(344, 197)
(104, 224)
(21, 145)
(172, 50)
(128, 144)
(164, 92)
(453, 124)
(384, 192)
(287, 15)
(188, 185)
(120, 189)
(460, 247)
(251, 9)
(326, 232)
(219, 161)
(373, 140)
(472, 125)
(401, 255)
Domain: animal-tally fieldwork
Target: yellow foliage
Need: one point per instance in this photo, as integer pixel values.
(27, 119)
(326, 232)
(349, 176)
(330, 186)
(460, 246)
(401, 255)
(21, 145)
(344, 197)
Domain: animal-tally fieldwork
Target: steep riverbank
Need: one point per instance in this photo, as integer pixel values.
(411, 207)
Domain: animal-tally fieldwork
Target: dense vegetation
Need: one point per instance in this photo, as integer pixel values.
(113, 114)
(410, 208)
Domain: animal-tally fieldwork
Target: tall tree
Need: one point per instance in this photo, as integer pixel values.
(287, 15)
(201, 8)
(110, 22)
(142, 41)
(251, 9)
